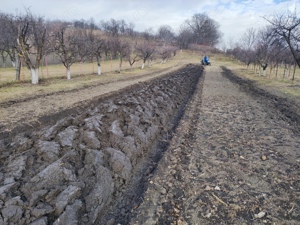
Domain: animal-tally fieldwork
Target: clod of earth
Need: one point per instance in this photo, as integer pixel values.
(74, 171)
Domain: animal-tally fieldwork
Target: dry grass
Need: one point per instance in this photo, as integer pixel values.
(82, 75)
(281, 83)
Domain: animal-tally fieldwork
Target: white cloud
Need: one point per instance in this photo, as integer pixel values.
(233, 16)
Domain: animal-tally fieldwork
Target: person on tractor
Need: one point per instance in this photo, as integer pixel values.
(205, 61)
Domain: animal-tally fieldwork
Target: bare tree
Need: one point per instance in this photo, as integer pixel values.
(185, 37)
(92, 24)
(166, 34)
(83, 46)
(145, 51)
(111, 27)
(165, 52)
(130, 29)
(96, 47)
(66, 47)
(132, 56)
(8, 40)
(31, 41)
(123, 27)
(148, 34)
(247, 42)
(286, 25)
(4, 56)
(205, 30)
(277, 52)
(122, 48)
(265, 40)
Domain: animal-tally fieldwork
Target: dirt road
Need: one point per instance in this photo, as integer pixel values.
(232, 161)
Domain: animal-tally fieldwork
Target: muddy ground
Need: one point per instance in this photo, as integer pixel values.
(234, 158)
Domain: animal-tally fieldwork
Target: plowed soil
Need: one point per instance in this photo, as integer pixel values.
(234, 160)
(22, 114)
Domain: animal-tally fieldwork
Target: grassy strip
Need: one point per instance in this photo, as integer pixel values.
(280, 83)
(12, 90)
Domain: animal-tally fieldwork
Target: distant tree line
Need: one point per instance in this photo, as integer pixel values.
(29, 38)
(276, 44)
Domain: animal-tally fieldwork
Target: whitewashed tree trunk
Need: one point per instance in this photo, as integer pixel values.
(34, 76)
(68, 74)
(264, 73)
(99, 70)
(13, 64)
(143, 66)
(18, 68)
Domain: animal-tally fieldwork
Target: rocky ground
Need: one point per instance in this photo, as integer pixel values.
(233, 160)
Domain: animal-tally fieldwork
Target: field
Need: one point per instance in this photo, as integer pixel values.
(175, 143)
(282, 83)
(82, 76)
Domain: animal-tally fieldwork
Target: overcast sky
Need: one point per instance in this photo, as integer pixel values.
(234, 17)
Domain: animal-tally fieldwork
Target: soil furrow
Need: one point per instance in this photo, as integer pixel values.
(237, 164)
(30, 111)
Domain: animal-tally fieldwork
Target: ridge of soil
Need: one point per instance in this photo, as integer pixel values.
(8, 103)
(119, 212)
(234, 159)
(88, 166)
(29, 114)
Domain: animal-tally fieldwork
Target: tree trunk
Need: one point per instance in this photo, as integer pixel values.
(143, 65)
(293, 78)
(68, 73)
(4, 62)
(99, 69)
(4, 58)
(284, 72)
(34, 75)
(99, 65)
(46, 62)
(18, 68)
